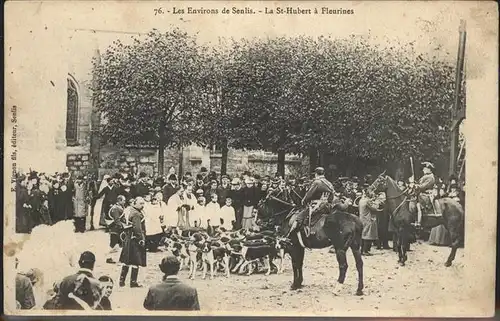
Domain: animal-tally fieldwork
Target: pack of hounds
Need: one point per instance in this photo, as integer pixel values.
(241, 252)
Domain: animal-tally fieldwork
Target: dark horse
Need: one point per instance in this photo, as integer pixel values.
(335, 227)
(402, 216)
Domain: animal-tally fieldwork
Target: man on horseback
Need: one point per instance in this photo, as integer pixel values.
(423, 190)
(320, 192)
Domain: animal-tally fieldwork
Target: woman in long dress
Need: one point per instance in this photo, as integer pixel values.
(101, 193)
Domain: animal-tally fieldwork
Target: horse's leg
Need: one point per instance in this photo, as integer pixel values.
(342, 261)
(455, 239)
(399, 246)
(395, 241)
(404, 245)
(359, 266)
(294, 257)
(300, 263)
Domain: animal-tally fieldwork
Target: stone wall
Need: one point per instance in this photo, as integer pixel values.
(78, 164)
(113, 159)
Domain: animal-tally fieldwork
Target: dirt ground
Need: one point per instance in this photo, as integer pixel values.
(423, 283)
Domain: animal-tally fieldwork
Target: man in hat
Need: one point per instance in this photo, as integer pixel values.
(141, 188)
(82, 285)
(170, 188)
(423, 189)
(321, 191)
(199, 183)
(171, 294)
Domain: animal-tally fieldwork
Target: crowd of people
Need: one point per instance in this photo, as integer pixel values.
(136, 211)
(200, 201)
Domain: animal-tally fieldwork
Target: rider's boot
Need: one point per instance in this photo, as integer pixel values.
(292, 228)
(419, 215)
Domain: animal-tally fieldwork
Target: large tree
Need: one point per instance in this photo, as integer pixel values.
(149, 90)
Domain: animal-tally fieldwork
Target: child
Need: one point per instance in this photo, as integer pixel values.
(227, 215)
(198, 215)
(107, 284)
(213, 210)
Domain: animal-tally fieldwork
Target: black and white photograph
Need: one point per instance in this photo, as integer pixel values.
(250, 158)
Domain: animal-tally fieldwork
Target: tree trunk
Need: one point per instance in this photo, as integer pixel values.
(161, 148)
(181, 160)
(313, 159)
(281, 163)
(225, 150)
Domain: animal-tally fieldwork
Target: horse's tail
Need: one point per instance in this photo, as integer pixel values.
(454, 218)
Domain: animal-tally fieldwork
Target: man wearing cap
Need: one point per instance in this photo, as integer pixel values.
(72, 285)
(423, 189)
(171, 294)
(134, 251)
(321, 191)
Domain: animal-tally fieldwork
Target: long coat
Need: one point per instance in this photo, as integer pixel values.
(367, 214)
(134, 253)
(172, 294)
(80, 201)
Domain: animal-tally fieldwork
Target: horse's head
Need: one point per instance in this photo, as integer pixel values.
(379, 185)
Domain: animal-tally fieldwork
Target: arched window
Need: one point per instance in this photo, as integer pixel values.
(72, 114)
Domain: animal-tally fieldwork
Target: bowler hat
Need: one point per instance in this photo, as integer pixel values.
(172, 177)
(319, 170)
(141, 174)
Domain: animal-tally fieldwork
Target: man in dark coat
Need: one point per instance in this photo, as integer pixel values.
(23, 220)
(170, 188)
(82, 285)
(134, 251)
(141, 188)
(171, 294)
(223, 190)
(236, 195)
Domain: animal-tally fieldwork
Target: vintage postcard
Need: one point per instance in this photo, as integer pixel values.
(250, 158)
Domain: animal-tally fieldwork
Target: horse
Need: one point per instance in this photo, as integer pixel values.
(398, 203)
(335, 227)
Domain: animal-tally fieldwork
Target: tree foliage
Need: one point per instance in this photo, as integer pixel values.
(346, 97)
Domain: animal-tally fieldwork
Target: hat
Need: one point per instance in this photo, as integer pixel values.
(224, 177)
(276, 180)
(319, 171)
(366, 185)
(342, 179)
(32, 175)
(203, 170)
(429, 165)
(188, 174)
(235, 181)
(141, 174)
(87, 256)
(172, 177)
(168, 263)
(256, 176)
(199, 176)
(355, 179)
(199, 191)
(453, 185)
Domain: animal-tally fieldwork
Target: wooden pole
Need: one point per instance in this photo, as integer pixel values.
(95, 122)
(456, 105)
